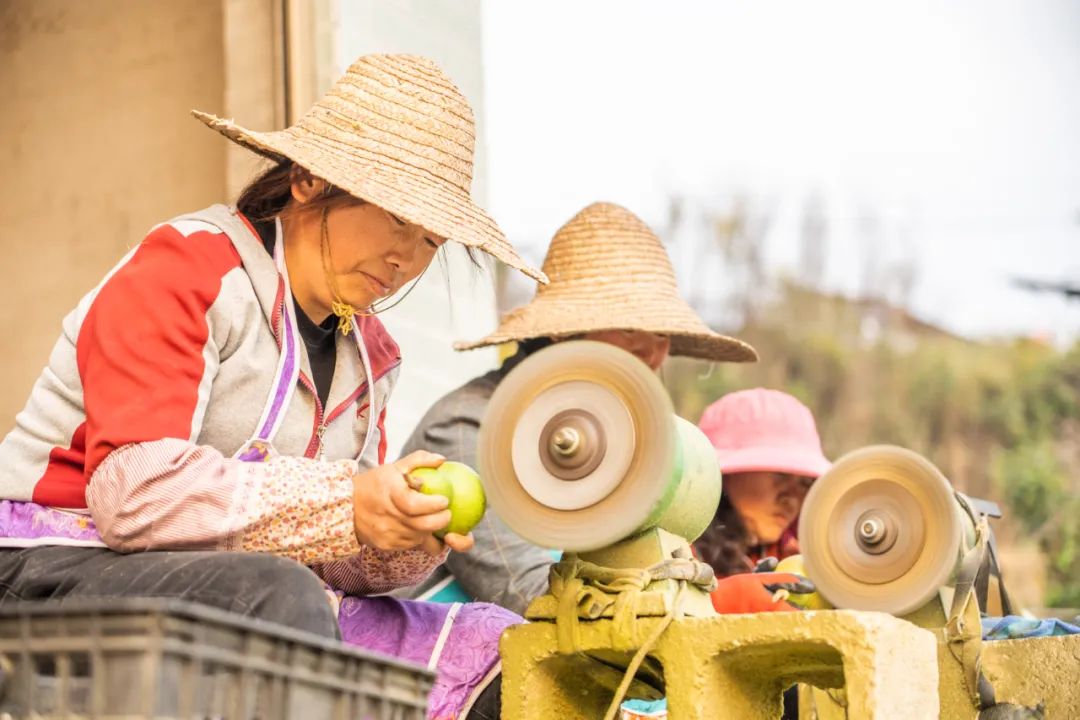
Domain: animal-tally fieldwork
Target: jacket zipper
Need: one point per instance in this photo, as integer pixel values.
(315, 445)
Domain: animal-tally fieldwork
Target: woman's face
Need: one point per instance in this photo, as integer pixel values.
(369, 253)
(373, 253)
(767, 502)
(649, 348)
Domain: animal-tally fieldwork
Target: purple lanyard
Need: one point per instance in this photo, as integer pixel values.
(259, 447)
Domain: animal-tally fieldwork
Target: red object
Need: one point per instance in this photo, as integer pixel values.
(746, 593)
(140, 355)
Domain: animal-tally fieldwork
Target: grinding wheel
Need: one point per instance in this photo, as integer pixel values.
(881, 530)
(577, 447)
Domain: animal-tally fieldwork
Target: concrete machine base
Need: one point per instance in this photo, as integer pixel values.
(732, 666)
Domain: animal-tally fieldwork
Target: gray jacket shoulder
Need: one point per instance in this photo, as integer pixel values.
(451, 426)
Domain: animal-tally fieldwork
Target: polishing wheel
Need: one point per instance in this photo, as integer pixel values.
(881, 530)
(579, 449)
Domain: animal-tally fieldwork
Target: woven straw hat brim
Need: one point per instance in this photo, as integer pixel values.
(560, 318)
(609, 271)
(437, 207)
(394, 130)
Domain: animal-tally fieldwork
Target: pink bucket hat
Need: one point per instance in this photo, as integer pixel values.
(763, 430)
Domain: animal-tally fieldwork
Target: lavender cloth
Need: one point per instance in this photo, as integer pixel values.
(410, 630)
(31, 522)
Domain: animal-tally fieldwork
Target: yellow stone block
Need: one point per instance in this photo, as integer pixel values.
(1036, 670)
(1027, 673)
(732, 666)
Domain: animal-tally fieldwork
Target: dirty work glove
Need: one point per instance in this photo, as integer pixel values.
(766, 565)
(788, 583)
(783, 590)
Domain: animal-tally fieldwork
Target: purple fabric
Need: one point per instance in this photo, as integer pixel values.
(30, 521)
(257, 451)
(409, 630)
(281, 382)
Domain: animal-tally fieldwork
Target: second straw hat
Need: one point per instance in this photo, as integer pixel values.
(609, 271)
(394, 131)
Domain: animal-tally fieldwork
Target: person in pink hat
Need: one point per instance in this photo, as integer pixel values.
(770, 453)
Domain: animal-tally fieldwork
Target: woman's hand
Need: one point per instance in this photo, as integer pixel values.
(459, 543)
(390, 515)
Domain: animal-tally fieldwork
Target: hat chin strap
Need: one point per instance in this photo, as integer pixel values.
(345, 313)
(342, 310)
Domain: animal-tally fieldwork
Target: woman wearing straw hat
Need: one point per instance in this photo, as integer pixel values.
(223, 390)
(611, 281)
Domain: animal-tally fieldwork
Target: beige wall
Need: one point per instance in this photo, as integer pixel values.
(254, 75)
(94, 151)
(98, 143)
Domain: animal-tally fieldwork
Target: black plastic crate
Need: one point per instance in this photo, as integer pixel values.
(169, 659)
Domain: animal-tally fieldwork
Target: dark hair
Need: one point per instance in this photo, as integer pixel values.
(725, 544)
(267, 195)
(531, 345)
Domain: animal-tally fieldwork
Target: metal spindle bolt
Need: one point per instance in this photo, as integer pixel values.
(566, 441)
(872, 530)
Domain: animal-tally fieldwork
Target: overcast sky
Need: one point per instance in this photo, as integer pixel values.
(957, 123)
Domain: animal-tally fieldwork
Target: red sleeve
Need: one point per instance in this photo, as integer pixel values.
(141, 346)
(146, 355)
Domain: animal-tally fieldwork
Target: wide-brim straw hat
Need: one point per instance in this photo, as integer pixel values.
(396, 132)
(609, 271)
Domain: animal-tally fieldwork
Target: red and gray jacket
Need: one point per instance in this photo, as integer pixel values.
(158, 379)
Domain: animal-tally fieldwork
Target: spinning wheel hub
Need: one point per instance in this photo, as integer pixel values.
(572, 444)
(876, 532)
(565, 441)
